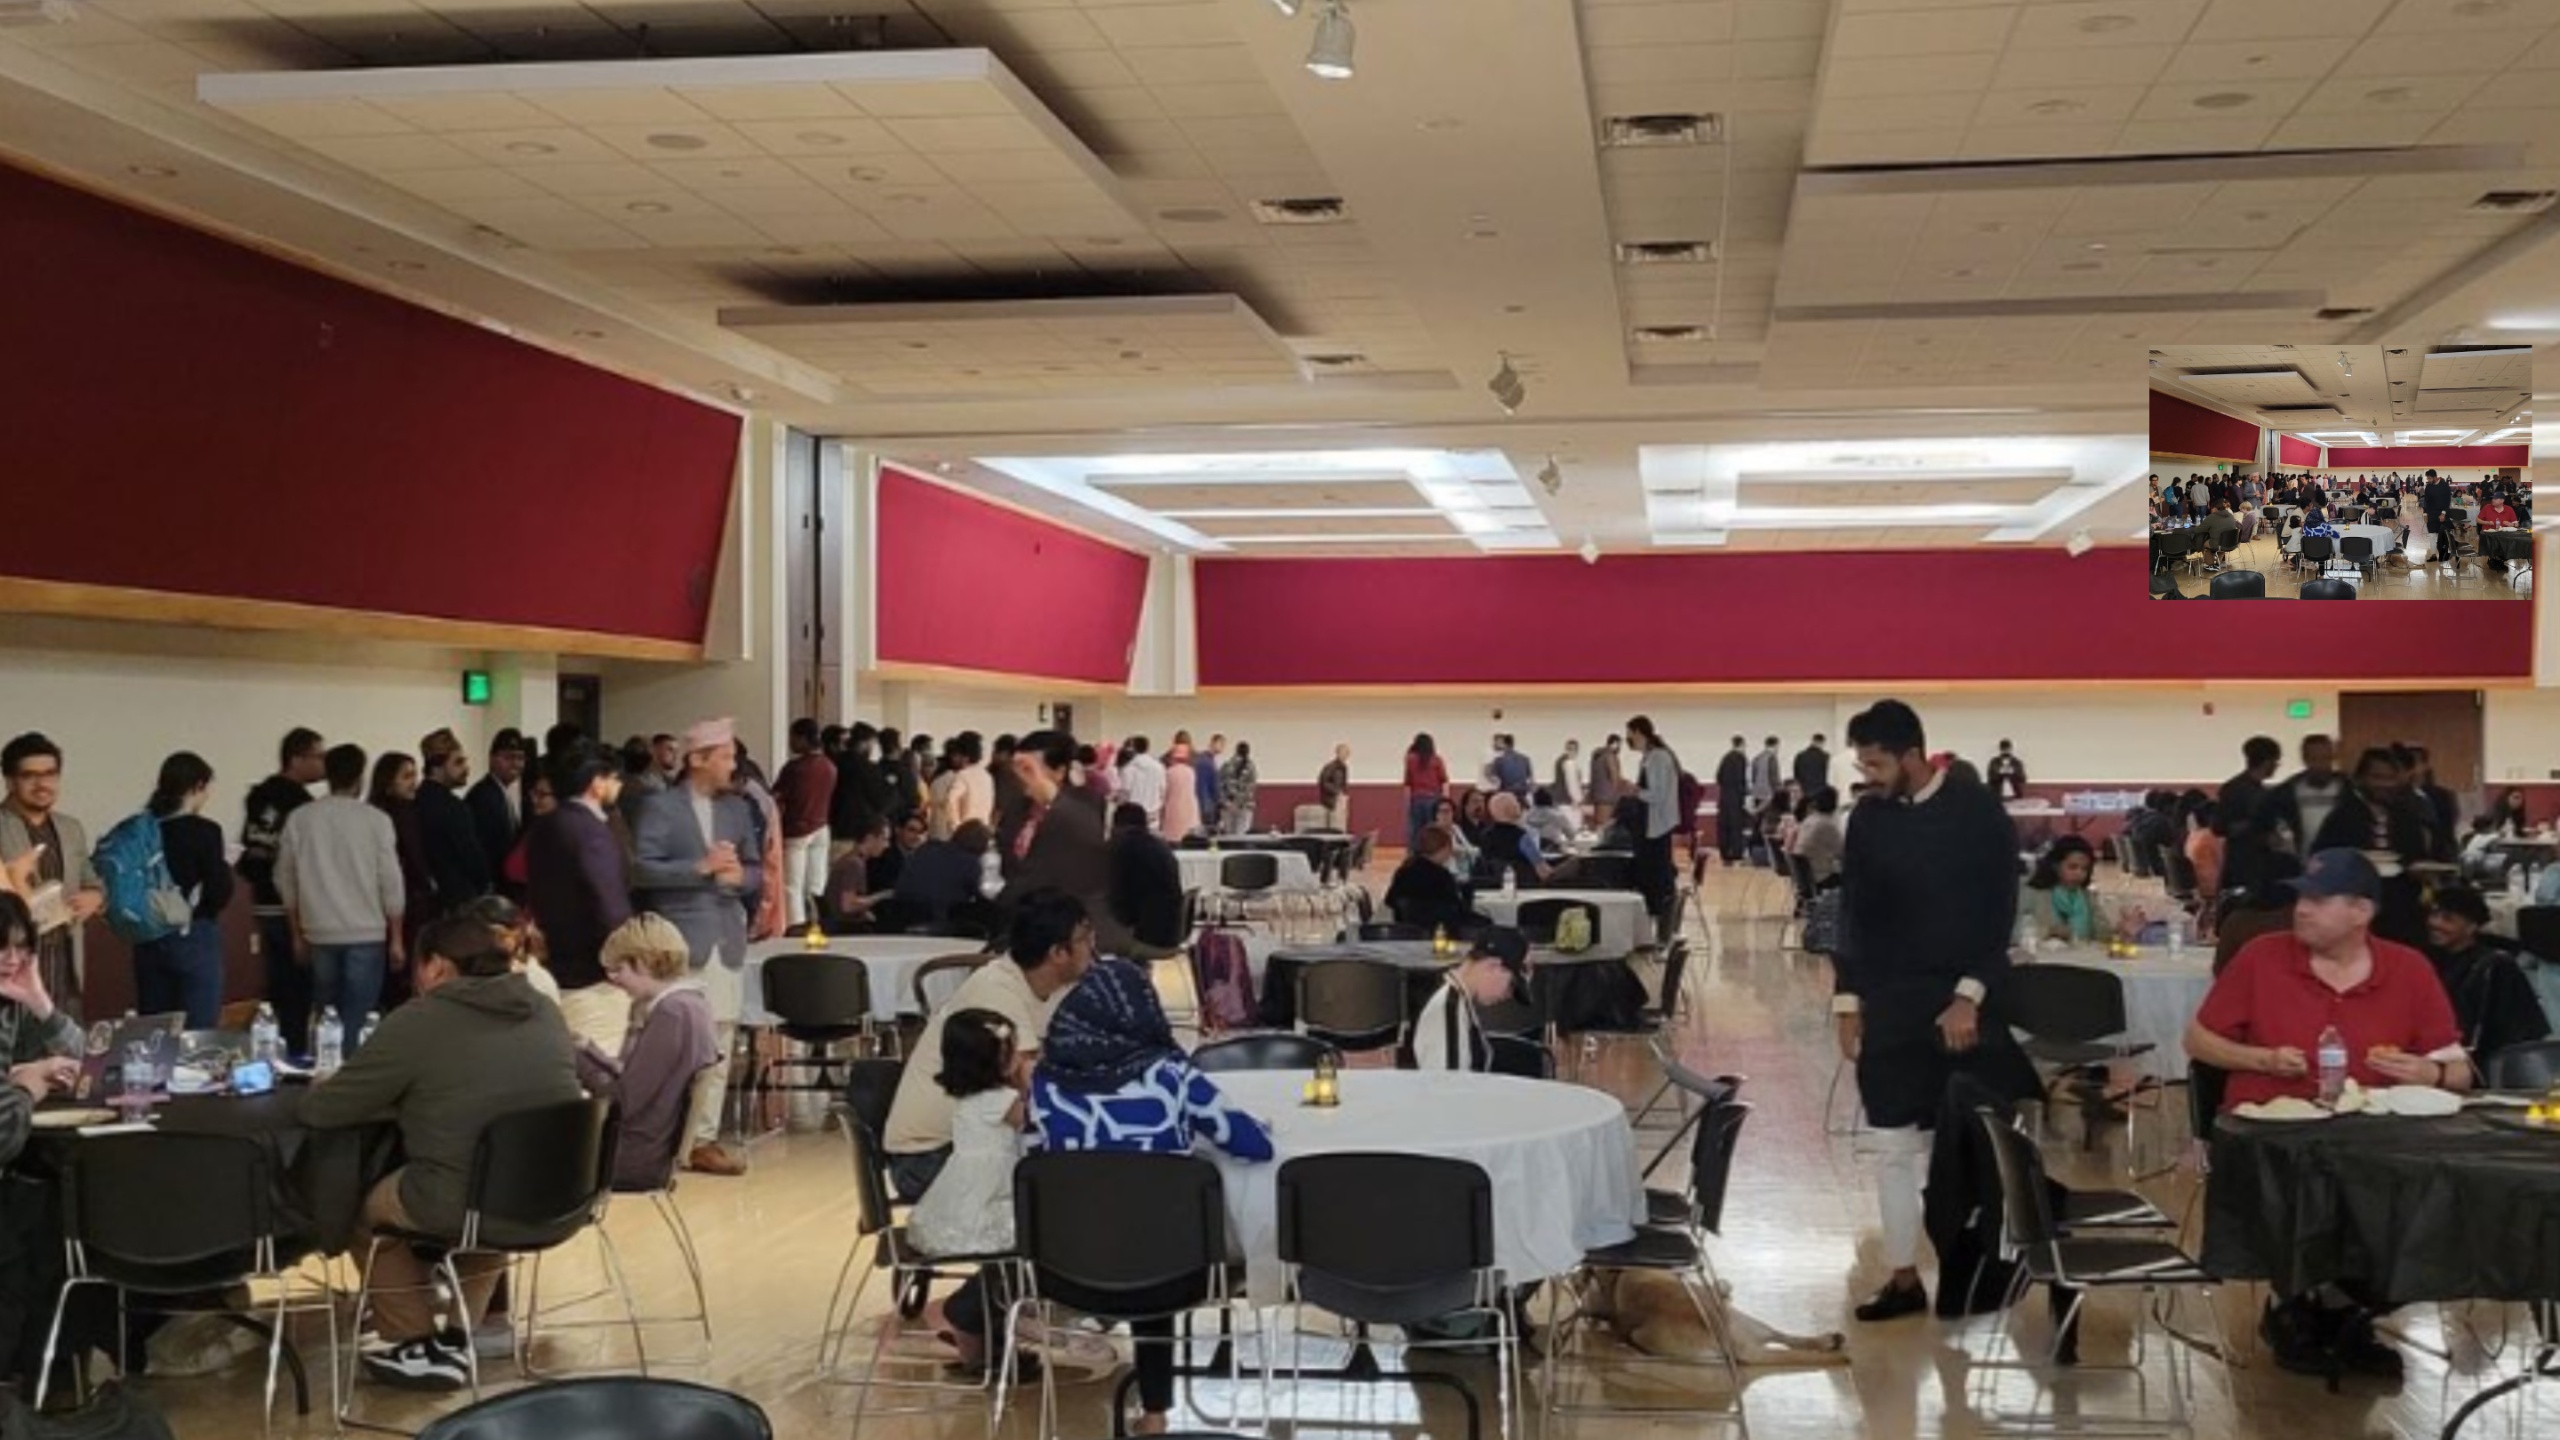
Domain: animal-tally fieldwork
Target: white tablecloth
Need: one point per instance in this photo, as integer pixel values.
(2383, 539)
(892, 960)
(2160, 996)
(1561, 1157)
(1200, 868)
(1622, 924)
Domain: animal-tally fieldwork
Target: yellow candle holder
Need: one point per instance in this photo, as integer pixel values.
(815, 938)
(1324, 1090)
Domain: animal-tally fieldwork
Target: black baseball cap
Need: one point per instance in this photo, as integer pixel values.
(2464, 901)
(1503, 943)
(2331, 873)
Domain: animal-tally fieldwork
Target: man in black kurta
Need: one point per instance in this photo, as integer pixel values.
(1929, 897)
(1733, 790)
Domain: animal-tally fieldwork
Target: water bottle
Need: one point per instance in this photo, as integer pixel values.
(1510, 883)
(265, 1039)
(2518, 882)
(332, 1043)
(2027, 932)
(2333, 1065)
(2177, 937)
(990, 875)
(364, 1036)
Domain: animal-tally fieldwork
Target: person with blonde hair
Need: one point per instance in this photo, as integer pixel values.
(670, 1041)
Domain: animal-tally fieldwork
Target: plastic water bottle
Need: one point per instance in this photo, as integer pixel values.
(2333, 1065)
(265, 1039)
(990, 875)
(331, 1043)
(2517, 881)
(1510, 883)
(2177, 937)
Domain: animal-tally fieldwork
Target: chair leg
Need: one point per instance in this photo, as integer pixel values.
(622, 1288)
(53, 1341)
(665, 1203)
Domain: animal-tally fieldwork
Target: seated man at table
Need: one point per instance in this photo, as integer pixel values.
(2493, 1001)
(940, 881)
(1459, 1028)
(2222, 527)
(1424, 892)
(1507, 845)
(2497, 514)
(650, 1080)
(2262, 1023)
(476, 1043)
(852, 889)
(1146, 885)
(1050, 950)
(1547, 822)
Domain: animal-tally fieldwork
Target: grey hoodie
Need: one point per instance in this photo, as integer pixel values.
(444, 1065)
(338, 868)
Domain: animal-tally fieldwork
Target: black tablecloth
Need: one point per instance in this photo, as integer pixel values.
(321, 1175)
(2405, 1209)
(2512, 545)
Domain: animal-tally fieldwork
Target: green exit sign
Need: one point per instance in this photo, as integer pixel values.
(475, 687)
(2297, 709)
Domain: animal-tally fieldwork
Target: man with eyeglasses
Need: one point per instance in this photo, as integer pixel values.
(32, 765)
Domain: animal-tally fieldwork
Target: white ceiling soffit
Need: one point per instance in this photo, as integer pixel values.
(1028, 347)
(1994, 489)
(2351, 390)
(2255, 387)
(2507, 367)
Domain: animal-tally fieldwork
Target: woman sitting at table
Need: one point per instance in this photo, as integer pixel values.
(1462, 850)
(1111, 1078)
(669, 1042)
(2508, 815)
(2058, 898)
(42, 1044)
(1474, 814)
(1423, 892)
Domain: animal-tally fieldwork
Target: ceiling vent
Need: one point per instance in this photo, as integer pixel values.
(34, 12)
(1670, 334)
(1309, 210)
(1630, 131)
(1666, 252)
(2342, 312)
(2514, 202)
(1336, 360)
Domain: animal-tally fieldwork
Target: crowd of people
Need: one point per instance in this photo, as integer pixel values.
(2231, 509)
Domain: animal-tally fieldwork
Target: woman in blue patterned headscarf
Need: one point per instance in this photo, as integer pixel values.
(1111, 1078)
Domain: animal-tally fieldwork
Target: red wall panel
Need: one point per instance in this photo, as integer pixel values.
(2300, 454)
(2181, 428)
(976, 586)
(1944, 615)
(188, 415)
(2405, 458)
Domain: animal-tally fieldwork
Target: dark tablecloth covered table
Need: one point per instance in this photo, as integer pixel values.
(321, 1175)
(2509, 545)
(2405, 1210)
(1571, 993)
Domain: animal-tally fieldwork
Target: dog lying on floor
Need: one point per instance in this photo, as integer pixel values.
(1651, 1312)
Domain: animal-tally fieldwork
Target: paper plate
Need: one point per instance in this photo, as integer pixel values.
(2283, 1111)
(2414, 1100)
(72, 1118)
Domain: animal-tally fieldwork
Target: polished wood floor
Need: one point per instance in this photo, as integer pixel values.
(1797, 1251)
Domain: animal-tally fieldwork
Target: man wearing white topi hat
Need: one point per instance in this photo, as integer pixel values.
(697, 864)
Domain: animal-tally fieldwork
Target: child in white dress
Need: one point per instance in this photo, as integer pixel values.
(968, 1210)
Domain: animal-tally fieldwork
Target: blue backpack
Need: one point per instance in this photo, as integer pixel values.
(144, 902)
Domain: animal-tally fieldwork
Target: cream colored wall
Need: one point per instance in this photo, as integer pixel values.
(2523, 732)
(120, 697)
(2154, 736)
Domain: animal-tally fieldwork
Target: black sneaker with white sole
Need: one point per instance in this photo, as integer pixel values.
(422, 1364)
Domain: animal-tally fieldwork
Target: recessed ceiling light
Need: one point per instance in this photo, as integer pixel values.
(2095, 245)
(2104, 24)
(2223, 100)
(648, 207)
(530, 147)
(2390, 95)
(2058, 106)
(150, 172)
(677, 140)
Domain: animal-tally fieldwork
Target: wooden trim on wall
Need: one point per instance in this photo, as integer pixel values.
(911, 672)
(1832, 687)
(228, 612)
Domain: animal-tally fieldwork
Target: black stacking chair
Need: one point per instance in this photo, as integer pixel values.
(1538, 919)
(616, 1407)
(2238, 585)
(2164, 586)
(818, 1000)
(1393, 930)
(2328, 588)
(2359, 550)
(1352, 1004)
(1262, 1050)
(2317, 549)
(938, 978)
(2073, 1019)
(2532, 1066)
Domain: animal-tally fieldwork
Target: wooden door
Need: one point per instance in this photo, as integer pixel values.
(2446, 722)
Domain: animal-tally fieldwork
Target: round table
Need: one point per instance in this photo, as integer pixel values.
(2161, 994)
(1200, 868)
(1620, 922)
(1561, 1158)
(2383, 539)
(892, 961)
(1573, 992)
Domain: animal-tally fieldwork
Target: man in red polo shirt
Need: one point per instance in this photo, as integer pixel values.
(2263, 1019)
(2262, 1023)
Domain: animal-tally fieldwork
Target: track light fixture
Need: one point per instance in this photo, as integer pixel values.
(1288, 8)
(1507, 388)
(1551, 477)
(1329, 58)
(1590, 551)
(2080, 544)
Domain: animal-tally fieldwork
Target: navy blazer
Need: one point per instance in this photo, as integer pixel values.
(491, 823)
(668, 845)
(455, 861)
(579, 889)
